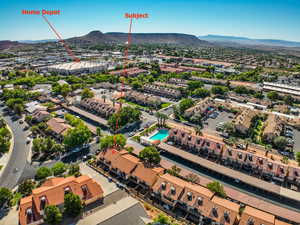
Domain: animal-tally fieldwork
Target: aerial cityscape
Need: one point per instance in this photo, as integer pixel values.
(150, 113)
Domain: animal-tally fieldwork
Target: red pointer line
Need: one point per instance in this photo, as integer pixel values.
(124, 71)
(71, 54)
(127, 47)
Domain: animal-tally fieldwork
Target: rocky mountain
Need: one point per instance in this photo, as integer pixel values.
(230, 40)
(10, 44)
(97, 37)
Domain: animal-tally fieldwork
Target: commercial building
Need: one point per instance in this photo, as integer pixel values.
(78, 67)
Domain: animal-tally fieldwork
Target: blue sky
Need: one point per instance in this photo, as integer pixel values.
(275, 19)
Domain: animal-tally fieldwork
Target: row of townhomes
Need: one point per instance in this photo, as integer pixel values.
(52, 192)
(98, 106)
(134, 71)
(143, 99)
(201, 108)
(162, 91)
(260, 165)
(192, 201)
(243, 120)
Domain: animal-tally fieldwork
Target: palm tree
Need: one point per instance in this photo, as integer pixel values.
(247, 142)
(98, 131)
(158, 117)
(164, 117)
(104, 98)
(198, 130)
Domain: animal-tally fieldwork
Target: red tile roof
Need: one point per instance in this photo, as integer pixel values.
(53, 190)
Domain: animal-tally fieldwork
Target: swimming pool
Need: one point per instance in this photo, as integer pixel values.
(160, 135)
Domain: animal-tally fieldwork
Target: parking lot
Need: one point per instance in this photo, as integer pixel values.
(212, 123)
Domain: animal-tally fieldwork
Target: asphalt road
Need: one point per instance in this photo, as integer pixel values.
(18, 158)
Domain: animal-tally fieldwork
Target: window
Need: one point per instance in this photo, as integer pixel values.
(227, 216)
(43, 202)
(163, 185)
(281, 170)
(67, 190)
(200, 200)
(84, 191)
(173, 190)
(240, 155)
(250, 158)
(189, 196)
(229, 152)
(215, 211)
(250, 221)
(29, 215)
(270, 165)
(296, 173)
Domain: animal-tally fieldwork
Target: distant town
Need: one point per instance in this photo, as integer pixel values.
(166, 134)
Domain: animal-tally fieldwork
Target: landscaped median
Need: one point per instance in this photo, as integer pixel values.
(6, 144)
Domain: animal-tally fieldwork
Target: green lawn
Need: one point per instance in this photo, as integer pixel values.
(165, 105)
(257, 132)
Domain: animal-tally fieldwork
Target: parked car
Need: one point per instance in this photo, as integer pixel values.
(28, 140)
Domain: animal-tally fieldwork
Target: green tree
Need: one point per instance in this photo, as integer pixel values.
(288, 99)
(77, 136)
(53, 215)
(162, 219)
(150, 154)
(201, 93)
(192, 85)
(273, 95)
(259, 95)
(174, 171)
(72, 204)
(18, 108)
(185, 104)
(218, 188)
(5, 196)
(98, 131)
(219, 90)
(124, 116)
(118, 141)
(74, 169)
(26, 187)
(280, 142)
(42, 173)
(58, 168)
(87, 93)
(241, 90)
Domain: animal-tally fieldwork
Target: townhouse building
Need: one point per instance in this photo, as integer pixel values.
(273, 127)
(192, 201)
(201, 108)
(239, 159)
(58, 127)
(52, 192)
(162, 91)
(98, 106)
(243, 121)
(143, 99)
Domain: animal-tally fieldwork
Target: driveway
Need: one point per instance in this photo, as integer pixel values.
(297, 140)
(18, 158)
